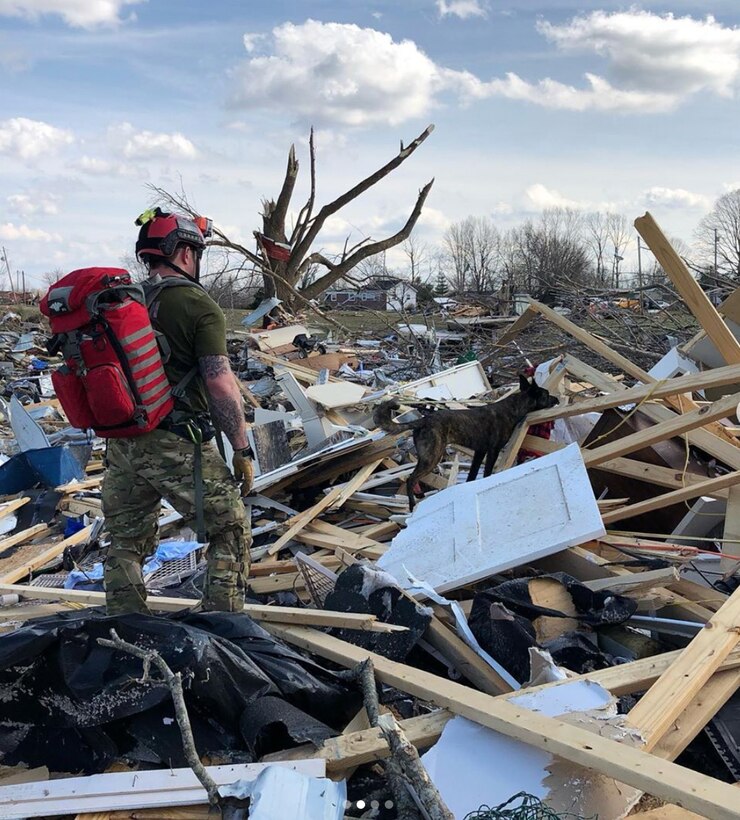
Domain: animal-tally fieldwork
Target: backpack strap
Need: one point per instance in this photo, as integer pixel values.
(153, 288)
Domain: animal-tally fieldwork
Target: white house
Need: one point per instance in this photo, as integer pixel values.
(401, 294)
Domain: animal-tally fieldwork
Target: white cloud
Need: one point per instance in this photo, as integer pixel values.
(31, 139)
(10, 232)
(78, 13)
(675, 198)
(95, 166)
(37, 203)
(342, 74)
(463, 9)
(339, 73)
(138, 145)
(541, 197)
(252, 41)
(646, 53)
(599, 95)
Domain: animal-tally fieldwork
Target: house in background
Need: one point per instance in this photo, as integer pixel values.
(401, 294)
(387, 293)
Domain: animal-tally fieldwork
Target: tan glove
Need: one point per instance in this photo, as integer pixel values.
(243, 470)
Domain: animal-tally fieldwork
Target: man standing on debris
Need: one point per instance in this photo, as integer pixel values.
(165, 462)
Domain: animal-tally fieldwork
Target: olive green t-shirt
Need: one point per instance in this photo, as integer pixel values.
(194, 326)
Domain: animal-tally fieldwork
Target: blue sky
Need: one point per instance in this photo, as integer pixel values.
(536, 104)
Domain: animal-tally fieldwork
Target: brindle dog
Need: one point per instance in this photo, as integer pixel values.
(485, 430)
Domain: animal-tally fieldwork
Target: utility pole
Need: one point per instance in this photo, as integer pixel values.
(7, 265)
(716, 242)
(639, 274)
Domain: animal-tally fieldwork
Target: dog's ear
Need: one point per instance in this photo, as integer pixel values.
(524, 383)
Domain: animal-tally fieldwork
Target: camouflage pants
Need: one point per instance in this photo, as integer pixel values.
(142, 471)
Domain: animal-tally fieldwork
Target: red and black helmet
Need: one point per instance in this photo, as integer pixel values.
(162, 232)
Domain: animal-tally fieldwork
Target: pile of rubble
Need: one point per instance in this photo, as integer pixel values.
(548, 640)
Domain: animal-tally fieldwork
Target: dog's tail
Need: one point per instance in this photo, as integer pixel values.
(382, 416)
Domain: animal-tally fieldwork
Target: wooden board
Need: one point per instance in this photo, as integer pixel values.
(659, 432)
(688, 288)
(628, 765)
(334, 498)
(693, 382)
(725, 451)
(706, 487)
(675, 689)
(29, 565)
(260, 612)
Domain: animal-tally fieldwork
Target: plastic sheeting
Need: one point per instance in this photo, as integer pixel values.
(166, 551)
(73, 705)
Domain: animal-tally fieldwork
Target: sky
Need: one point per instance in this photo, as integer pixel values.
(535, 104)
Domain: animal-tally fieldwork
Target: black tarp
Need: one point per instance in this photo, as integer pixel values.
(73, 705)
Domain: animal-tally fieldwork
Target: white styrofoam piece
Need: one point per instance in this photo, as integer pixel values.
(335, 394)
(279, 793)
(473, 766)
(129, 790)
(473, 530)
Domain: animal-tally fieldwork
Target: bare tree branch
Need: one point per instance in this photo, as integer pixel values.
(174, 682)
(320, 285)
(304, 245)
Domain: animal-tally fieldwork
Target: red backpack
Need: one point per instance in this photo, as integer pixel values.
(113, 378)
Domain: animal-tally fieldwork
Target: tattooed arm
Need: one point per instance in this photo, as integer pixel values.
(224, 398)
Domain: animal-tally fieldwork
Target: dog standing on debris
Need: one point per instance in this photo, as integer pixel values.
(485, 430)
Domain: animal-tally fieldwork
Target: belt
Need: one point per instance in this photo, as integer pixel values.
(181, 425)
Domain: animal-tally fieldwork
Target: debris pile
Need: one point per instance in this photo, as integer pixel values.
(555, 638)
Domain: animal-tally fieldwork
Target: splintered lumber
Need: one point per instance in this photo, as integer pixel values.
(336, 497)
(12, 506)
(703, 707)
(511, 449)
(364, 746)
(50, 554)
(622, 362)
(688, 288)
(667, 698)
(634, 767)
(655, 474)
(23, 536)
(510, 333)
(706, 487)
(622, 584)
(721, 448)
(718, 377)
(357, 748)
(666, 429)
(78, 486)
(259, 612)
(588, 339)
